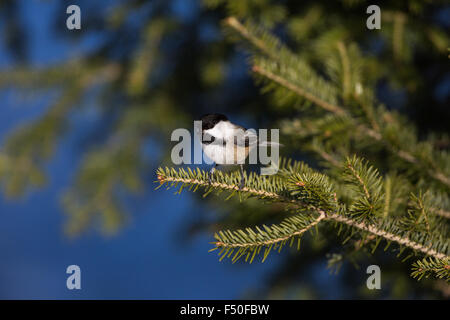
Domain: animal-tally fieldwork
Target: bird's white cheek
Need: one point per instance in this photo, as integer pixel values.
(215, 132)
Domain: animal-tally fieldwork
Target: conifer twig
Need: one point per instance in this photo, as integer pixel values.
(388, 236)
(332, 216)
(285, 83)
(246, 34)
(321, 216)
(441, 212)
(339, 110)
(346, 68)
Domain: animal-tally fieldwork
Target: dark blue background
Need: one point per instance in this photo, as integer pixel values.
(146, 259)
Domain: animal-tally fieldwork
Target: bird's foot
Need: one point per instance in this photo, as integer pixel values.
(242, 183)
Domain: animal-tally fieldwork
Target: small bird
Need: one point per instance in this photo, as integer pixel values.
(226, 143)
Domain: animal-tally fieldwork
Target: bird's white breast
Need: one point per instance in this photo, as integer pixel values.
(228, 153)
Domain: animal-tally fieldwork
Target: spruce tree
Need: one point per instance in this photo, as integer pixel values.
(364, 116)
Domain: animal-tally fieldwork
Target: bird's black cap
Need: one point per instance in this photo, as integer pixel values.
(211, 119)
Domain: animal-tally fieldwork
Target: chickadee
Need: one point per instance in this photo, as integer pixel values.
(226, 143)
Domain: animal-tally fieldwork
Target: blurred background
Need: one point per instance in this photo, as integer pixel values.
(86, 117)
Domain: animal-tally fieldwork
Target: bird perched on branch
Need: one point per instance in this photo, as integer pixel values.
(226, 143)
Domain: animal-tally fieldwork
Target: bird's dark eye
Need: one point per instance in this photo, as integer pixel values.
(208, 139)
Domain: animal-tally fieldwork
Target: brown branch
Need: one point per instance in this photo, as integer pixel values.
(223, 186)
(388, 236)
(441, 212)
(272, 241)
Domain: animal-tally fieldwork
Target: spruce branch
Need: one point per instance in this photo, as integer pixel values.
(32, 144)
(254, 184)
(251, 241)
(274, 63)
(346, 81)
(389, 236)
(338, 110)
(397, 37)
(387, 196)
(426, 267)
(441, 212)
(298, 90)
(367, 180)
(313, 205)
(269, 45)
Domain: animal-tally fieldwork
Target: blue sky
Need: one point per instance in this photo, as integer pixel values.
(145, 260)
(148, 258)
